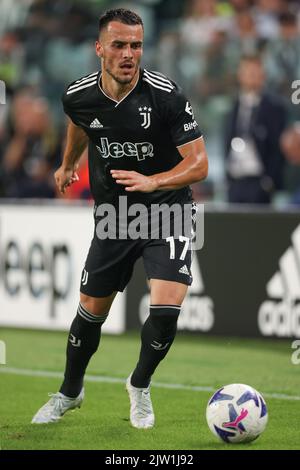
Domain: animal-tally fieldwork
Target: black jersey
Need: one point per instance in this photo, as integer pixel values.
(140, 132)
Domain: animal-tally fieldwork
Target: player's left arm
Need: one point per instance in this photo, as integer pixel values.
(192, 168)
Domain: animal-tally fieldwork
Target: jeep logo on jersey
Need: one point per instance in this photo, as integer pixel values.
(189, 109)
(145, 113)
(140, 150)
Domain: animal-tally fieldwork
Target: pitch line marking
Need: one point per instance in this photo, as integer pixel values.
(103, 379)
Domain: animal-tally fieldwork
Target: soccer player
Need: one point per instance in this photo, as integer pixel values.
(144, 145)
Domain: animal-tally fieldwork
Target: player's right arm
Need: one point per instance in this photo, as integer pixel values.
(77, 141)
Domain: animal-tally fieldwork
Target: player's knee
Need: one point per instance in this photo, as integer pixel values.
(96, 306)
(167, 292)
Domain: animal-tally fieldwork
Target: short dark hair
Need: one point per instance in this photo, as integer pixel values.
(121, 15)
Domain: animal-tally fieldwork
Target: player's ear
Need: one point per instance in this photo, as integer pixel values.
(99, 49)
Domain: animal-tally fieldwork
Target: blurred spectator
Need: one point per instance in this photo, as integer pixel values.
(245, 27)
(11, 60)
(240, 5)
(282, 57)
(32, 152)
(266, 14)
(71, 50)
(254, 159)
(202, 28)
(169, 54)
(168, 11)
(13, 13)
(244, 38)
(201, 22)
(217, 77)
(290, 144)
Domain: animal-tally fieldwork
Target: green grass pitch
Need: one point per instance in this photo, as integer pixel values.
(102, 422)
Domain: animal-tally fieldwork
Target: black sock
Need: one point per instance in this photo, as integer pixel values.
(157, 336)
(83, 342)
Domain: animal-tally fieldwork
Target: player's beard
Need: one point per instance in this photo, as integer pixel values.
(122, 81)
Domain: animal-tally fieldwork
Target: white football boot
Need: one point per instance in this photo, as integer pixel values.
(56, 407)
(141, 410)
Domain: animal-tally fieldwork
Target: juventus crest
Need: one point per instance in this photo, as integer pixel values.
(145, 112)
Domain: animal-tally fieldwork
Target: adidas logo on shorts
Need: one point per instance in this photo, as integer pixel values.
(184, 270)
(96, 124)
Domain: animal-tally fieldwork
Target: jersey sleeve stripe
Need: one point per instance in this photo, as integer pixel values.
(87, 80)
(87, 76)
(81, 87)
(159, 82)
(158, 76)
(190, 141)
(156, 86)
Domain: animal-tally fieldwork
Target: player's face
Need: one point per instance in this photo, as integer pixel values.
(120, 49)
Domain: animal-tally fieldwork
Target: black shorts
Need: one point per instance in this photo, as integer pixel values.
(110, 262)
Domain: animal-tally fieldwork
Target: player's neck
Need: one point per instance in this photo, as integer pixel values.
(116, 90)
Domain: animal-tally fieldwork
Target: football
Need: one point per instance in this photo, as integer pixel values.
(237, 413)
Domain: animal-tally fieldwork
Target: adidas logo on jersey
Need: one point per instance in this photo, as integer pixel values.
(96, 124)
(184, 270)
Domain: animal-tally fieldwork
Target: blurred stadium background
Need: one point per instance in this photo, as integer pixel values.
(247, 276)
